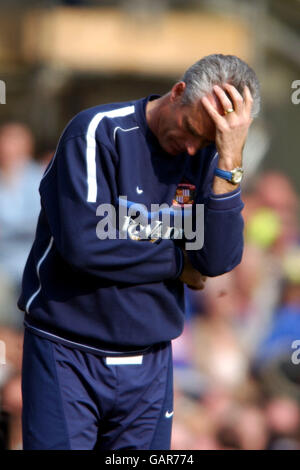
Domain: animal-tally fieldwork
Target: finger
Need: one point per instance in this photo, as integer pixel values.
(248, 100)
(236, 97)
(199, 285)
(212, 112)
(196, 287)
(225, 101)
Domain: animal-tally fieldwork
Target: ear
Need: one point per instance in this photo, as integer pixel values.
(177, 91)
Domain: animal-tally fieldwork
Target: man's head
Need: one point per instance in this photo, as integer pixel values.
(218, 69)
(182, 124)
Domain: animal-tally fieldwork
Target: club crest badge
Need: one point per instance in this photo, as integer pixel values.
(185, 194)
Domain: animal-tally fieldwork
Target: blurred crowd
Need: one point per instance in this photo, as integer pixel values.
(237, 377)
(20, 174)
(237, 365)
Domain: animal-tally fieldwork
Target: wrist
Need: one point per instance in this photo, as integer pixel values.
(230, 178)
(228, 164)
(221, 186)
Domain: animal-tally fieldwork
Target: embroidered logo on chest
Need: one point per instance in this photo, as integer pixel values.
(185, 194)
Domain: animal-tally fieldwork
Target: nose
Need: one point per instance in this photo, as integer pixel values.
(191, 148)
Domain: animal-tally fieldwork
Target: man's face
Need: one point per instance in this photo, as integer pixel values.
(186, 128)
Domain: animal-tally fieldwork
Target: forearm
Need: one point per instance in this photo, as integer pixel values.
(223, 235)
(231, 131)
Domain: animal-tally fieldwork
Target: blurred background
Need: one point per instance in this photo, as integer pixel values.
(237, 367)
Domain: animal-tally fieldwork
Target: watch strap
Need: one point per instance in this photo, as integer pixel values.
(226, 175)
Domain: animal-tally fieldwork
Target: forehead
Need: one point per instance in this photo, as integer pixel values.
(197, 116)
(198, 108)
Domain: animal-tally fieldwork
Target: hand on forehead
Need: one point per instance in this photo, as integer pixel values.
(215, 101)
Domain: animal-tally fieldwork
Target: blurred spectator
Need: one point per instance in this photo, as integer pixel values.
(276, 199)
(273, 362)
(19, 209)
(257, 280)
(218, 351)
(251, 428)
(283, 417)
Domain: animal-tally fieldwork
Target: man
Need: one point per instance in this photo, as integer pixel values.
(101, 310)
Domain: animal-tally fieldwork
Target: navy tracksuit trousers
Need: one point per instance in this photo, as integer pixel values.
(73, 399)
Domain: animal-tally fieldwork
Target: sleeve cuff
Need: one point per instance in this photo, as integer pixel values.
(225, 201)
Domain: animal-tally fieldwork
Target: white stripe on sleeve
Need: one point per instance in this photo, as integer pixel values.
(91, 148)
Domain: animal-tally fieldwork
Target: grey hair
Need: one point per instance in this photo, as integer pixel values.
(218, 69)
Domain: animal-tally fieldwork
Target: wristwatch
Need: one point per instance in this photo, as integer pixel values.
(234, 177)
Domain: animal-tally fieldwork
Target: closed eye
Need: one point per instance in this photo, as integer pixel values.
(193, 131)
(190, 128)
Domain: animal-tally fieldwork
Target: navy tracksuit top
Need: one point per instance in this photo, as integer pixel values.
(119, 293)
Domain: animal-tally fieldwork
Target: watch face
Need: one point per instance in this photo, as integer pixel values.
(237, 175)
